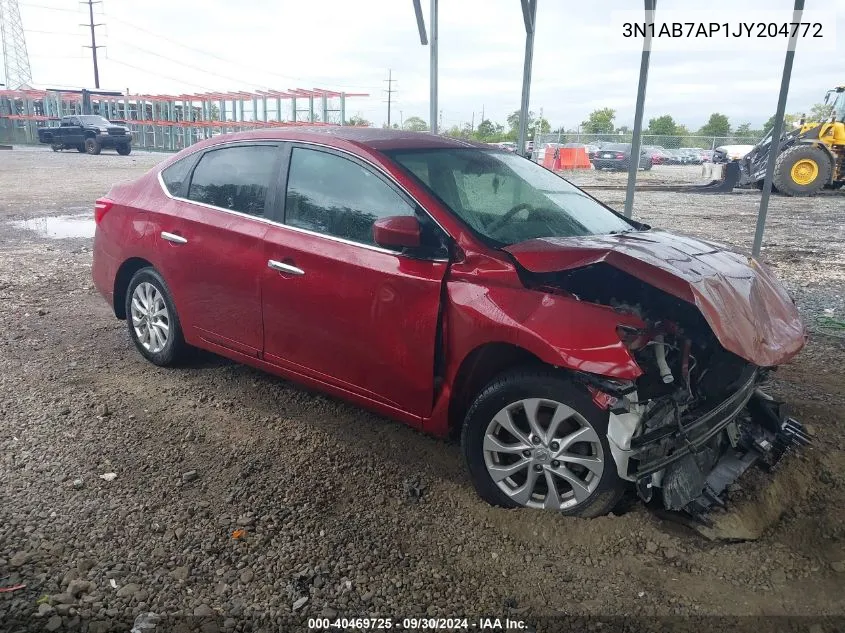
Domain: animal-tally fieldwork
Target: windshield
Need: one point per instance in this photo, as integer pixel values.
(93, 119)
(505, 198)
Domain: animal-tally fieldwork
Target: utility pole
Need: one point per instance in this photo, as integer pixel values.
(93, 46)
(389, 92)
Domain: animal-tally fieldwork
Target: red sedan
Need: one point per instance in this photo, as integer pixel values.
(461, 289)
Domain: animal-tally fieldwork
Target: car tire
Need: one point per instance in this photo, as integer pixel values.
(486, 445)
(56, 146)
(150, 316)
(648, 166)
(92, 146)
(124, 149)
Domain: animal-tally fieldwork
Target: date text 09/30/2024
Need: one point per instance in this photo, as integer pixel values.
(417, 624)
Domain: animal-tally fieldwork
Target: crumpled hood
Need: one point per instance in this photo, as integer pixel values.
(747, 308)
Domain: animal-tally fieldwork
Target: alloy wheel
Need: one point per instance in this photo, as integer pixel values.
(543, 454)
(150, 318)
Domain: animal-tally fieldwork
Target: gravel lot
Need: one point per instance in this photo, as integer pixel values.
(344, 512)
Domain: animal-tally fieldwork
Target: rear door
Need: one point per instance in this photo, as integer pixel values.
(337, 307)
(212, 248)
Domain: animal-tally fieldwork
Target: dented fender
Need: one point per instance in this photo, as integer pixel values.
(559, 330)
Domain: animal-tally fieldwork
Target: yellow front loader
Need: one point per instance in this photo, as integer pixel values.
(810, 158)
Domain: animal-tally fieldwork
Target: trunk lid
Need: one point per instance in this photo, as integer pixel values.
(747, 308)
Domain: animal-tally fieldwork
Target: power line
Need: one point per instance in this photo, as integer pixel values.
(197, 68)
(44, 6)
(389, 92)
(228, 61)
(156, 73)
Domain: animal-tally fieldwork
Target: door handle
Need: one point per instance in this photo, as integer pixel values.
(285, 268)
(172, 237)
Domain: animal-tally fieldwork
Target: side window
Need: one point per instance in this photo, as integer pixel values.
(332, 195)
(175, 175)
(74, 121)
(235, 178)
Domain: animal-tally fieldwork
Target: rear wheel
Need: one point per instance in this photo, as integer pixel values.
(56, 146)
(92, 146)
(534, 439)
(124, 149)
(152, 320)
(802, 170)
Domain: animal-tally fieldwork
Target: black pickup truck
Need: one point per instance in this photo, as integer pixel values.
(87, 133)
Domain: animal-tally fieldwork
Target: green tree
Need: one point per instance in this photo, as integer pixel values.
(486, 130)
(788, 121)
(663, 125)
(599, 121)
(357, 119)
(743, 130)
(415, 124)
(717, 125)
(820, 112)
(457, 131)
(541, 125)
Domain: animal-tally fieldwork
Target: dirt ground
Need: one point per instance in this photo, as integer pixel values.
(321, 487)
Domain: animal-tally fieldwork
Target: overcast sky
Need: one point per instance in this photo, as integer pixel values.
(164, 46)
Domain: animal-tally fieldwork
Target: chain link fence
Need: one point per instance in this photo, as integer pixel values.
(648, 140)
(671, 160)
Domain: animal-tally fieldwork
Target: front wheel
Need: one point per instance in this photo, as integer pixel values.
(802, 170)
(533, 438)
(151, 318)
(92, 146)
(124, 149)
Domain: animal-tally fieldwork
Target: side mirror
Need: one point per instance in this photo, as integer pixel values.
(397, 231)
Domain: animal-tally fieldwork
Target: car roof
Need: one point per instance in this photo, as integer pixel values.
(379, 139)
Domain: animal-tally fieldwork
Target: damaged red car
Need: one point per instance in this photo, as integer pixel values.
(466, 291)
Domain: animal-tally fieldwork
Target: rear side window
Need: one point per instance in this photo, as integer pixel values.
(235, 178)
(175, 175)
(332, 195)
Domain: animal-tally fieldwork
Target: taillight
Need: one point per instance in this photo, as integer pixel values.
(101, 207)
(620, 155)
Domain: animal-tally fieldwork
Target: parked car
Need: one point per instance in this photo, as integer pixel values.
(727, 153)
(458, 288)
(618, 156)
(696, 154)
(88, 133)
(592, 150)
(506, 145)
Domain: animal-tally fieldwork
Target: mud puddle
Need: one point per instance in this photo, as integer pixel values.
(59, 227)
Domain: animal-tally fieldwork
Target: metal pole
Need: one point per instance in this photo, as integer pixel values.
(93, 44)
(777, 132)
(529, 14)
(433, 67)
(636, 142)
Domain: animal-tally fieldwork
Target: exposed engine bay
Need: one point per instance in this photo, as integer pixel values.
(697, 418)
